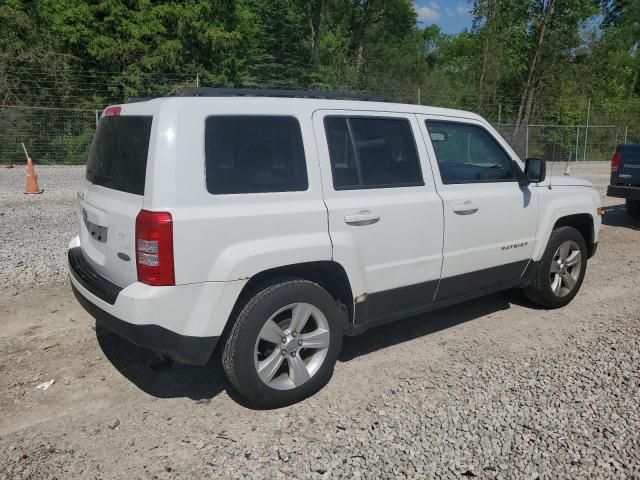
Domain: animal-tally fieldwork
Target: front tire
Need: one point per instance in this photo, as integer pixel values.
(284, 344)
(558, 275)
(633, 208)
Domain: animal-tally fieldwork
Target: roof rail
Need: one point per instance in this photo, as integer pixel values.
(260, 92)
(138, 99)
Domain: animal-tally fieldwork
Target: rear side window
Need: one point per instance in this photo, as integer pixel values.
(372, 152)
(118, 155)
(254, 154)
(468, 154)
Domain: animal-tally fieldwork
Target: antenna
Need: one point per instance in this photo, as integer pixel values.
(25, 151)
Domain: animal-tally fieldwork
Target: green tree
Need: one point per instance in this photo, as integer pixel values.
(279, 53)
(528, 59)
(554, 31)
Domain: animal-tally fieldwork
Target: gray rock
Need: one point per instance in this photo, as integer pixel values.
(113, 423)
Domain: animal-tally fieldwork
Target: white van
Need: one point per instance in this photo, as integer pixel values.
(273, 223)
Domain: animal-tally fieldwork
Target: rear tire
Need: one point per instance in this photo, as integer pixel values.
(284, 343)
(557, 277)
(633, 208)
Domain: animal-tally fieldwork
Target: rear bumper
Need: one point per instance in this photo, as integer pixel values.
(622, 191)
(179, 348)
(86, 276)
(162, 319)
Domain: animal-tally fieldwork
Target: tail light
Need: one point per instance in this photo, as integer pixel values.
(112, 111)
(615, 161)
(154, 248)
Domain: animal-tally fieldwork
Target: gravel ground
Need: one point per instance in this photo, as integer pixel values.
(492, 388)
(36, 227)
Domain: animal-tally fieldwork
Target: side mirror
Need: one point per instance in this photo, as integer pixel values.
(535, 169)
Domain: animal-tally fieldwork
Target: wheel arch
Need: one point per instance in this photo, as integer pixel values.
(577, 211)
(583, 222)
(329, 274)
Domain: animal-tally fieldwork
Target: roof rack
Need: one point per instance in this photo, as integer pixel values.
(260, 92)
(138, 99)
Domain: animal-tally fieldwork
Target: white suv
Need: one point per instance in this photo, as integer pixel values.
(272, 226)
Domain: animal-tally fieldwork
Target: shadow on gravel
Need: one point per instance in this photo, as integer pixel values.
(165, 379)
(617, 216)
(404, 330)
(159, 377)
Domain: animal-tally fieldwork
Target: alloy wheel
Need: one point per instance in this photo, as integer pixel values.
(565, 268)
(291, 346)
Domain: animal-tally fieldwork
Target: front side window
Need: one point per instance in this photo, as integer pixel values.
(372, 152)
(468, 154)
(254, 154)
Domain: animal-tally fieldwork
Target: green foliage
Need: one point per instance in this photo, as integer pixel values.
(522, 61)
(279, 52)
(71, 145)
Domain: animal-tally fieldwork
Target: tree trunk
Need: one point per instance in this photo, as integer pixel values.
(360, 59)
(316, 11)
(526, 101)
(490, 27)
(362, 36)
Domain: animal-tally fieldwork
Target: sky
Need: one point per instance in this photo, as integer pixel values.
(452, 16)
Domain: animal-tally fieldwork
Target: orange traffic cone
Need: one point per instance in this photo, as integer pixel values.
(32, 179)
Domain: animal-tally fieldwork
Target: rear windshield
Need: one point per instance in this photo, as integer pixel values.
(118, 156)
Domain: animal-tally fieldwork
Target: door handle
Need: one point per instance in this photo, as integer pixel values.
(466, 208)
(362, 218)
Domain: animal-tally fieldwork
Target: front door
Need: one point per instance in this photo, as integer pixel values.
(385, 217)
(490, 220)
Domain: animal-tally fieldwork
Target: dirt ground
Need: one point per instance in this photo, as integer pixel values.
(116, 411)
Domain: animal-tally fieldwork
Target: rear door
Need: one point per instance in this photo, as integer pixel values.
(385, 217)
(629, 169)
(112, 195)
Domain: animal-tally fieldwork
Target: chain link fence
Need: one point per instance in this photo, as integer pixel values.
(63, 136)
(51, 135)
(568, 142)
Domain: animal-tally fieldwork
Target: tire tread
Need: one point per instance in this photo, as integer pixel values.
(231, 354)
(538, 290)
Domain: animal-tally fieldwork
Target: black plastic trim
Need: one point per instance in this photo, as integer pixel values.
(462, 284)
(179, 348)
(391, 305)
(274, 92)
(622, 191)
(85, 274)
